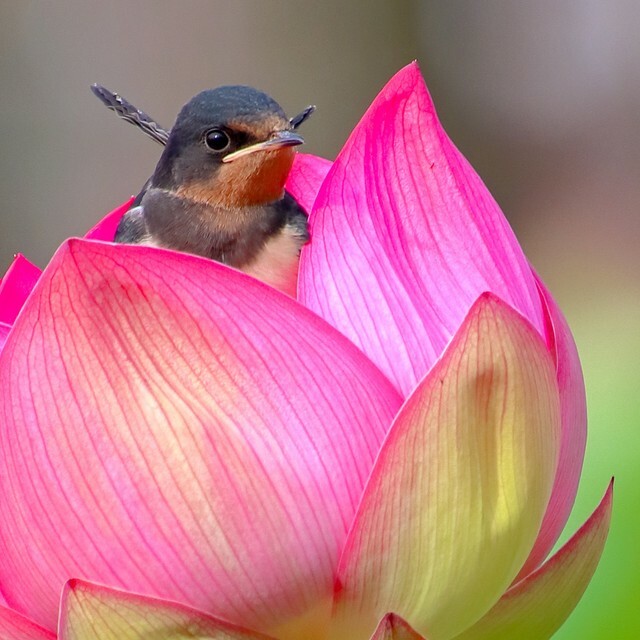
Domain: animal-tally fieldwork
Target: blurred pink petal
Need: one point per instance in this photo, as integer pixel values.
(573, 406)
(174, 427)
(393, 627)
(15, 287)
(106, 228)
(305, 178)
(405, 237)
(4, 332)
(90, 611)
(536, 607)
(461, 484)
(14, 626)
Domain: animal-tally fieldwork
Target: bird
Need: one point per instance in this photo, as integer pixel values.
(218, 190)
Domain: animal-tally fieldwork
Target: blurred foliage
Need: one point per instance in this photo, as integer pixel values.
(610, 348)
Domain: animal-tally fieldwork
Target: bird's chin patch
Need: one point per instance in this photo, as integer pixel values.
(251, 180)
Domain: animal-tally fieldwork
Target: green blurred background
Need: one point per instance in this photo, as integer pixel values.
(543, 98)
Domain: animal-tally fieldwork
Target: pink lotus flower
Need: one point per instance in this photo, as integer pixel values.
(393, 455)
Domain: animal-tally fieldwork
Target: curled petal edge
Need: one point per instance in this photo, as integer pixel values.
(537, 606)
(573, 410)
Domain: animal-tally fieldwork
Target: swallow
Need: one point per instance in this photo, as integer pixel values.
(218, 188)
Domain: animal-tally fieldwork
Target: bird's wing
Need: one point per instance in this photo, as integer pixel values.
(132, 228)
(296, 218)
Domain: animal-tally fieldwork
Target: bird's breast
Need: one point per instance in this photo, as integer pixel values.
(276, 263)
(232, 236)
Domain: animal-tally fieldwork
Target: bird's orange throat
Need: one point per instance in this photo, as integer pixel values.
(252, 180)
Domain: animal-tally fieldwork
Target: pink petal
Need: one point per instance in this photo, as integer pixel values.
(106, 228)
(405, 237)
(573, 406)
(305, 178)
(15, 287)
(4, 332)
(174, 427)
(536, 607)
(92, 611)
(14, 626)
(393, 627)
(460, 487)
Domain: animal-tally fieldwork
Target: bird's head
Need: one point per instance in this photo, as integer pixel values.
(230, 147)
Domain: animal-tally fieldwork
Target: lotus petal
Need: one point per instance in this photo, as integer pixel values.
(174, 427)
(106, 228)
(4, 332)
(460, 487)
(406, 237)
(15, 287)
(305, 178)
(573, 406)
(393, 627)
(14, 626)
(90, 611)
(536, 607)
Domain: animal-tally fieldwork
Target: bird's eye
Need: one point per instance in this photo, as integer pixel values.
(217, 140)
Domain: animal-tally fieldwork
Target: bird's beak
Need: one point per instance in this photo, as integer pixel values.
(278, 140)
